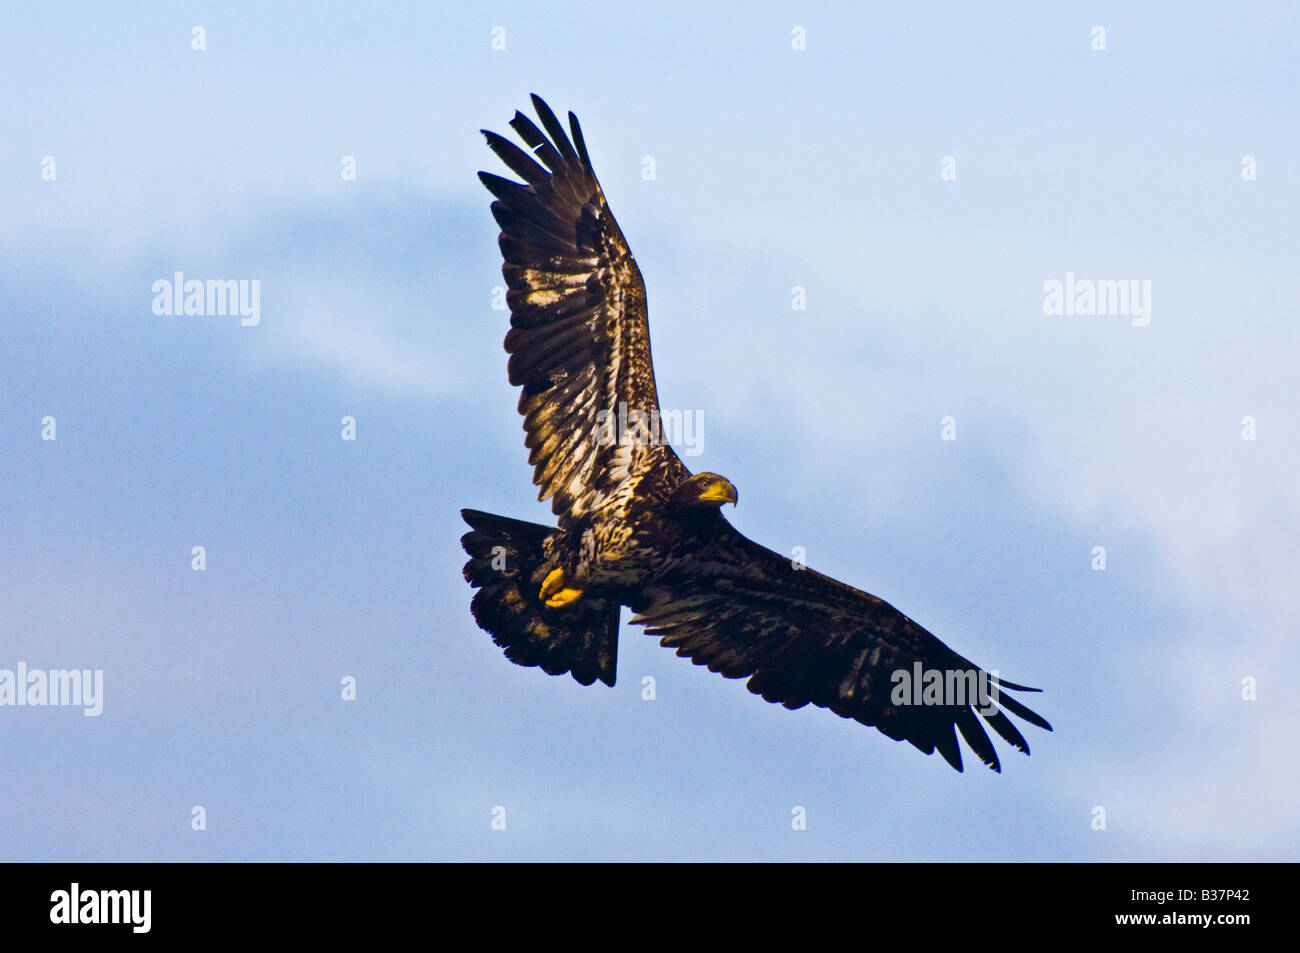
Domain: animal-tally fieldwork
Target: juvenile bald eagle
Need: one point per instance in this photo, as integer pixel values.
(637, 528)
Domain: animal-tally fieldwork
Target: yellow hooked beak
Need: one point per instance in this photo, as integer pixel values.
(721, 492)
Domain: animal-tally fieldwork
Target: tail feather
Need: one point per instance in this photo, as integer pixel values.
(508, 560)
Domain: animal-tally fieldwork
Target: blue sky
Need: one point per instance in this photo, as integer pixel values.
(775, 168)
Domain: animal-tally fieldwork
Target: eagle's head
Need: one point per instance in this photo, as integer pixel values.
(705, 491)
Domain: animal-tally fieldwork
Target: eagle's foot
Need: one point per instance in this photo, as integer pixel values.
(554, 593)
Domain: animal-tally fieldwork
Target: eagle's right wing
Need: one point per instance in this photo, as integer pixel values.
(579, 341)
(800, 637)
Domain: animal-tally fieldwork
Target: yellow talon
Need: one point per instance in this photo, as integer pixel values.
(552, 584)
(554, 593)
(564, 597)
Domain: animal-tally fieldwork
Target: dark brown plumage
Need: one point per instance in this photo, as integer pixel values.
(637, 528)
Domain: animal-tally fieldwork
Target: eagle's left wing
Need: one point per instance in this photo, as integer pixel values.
(579, 339)
(800, 637)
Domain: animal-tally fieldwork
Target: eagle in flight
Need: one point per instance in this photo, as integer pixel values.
(637, 528)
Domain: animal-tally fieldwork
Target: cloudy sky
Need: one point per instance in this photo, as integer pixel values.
(923, 174)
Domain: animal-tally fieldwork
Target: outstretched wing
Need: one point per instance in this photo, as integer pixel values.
(579, 342)
(800, 637)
